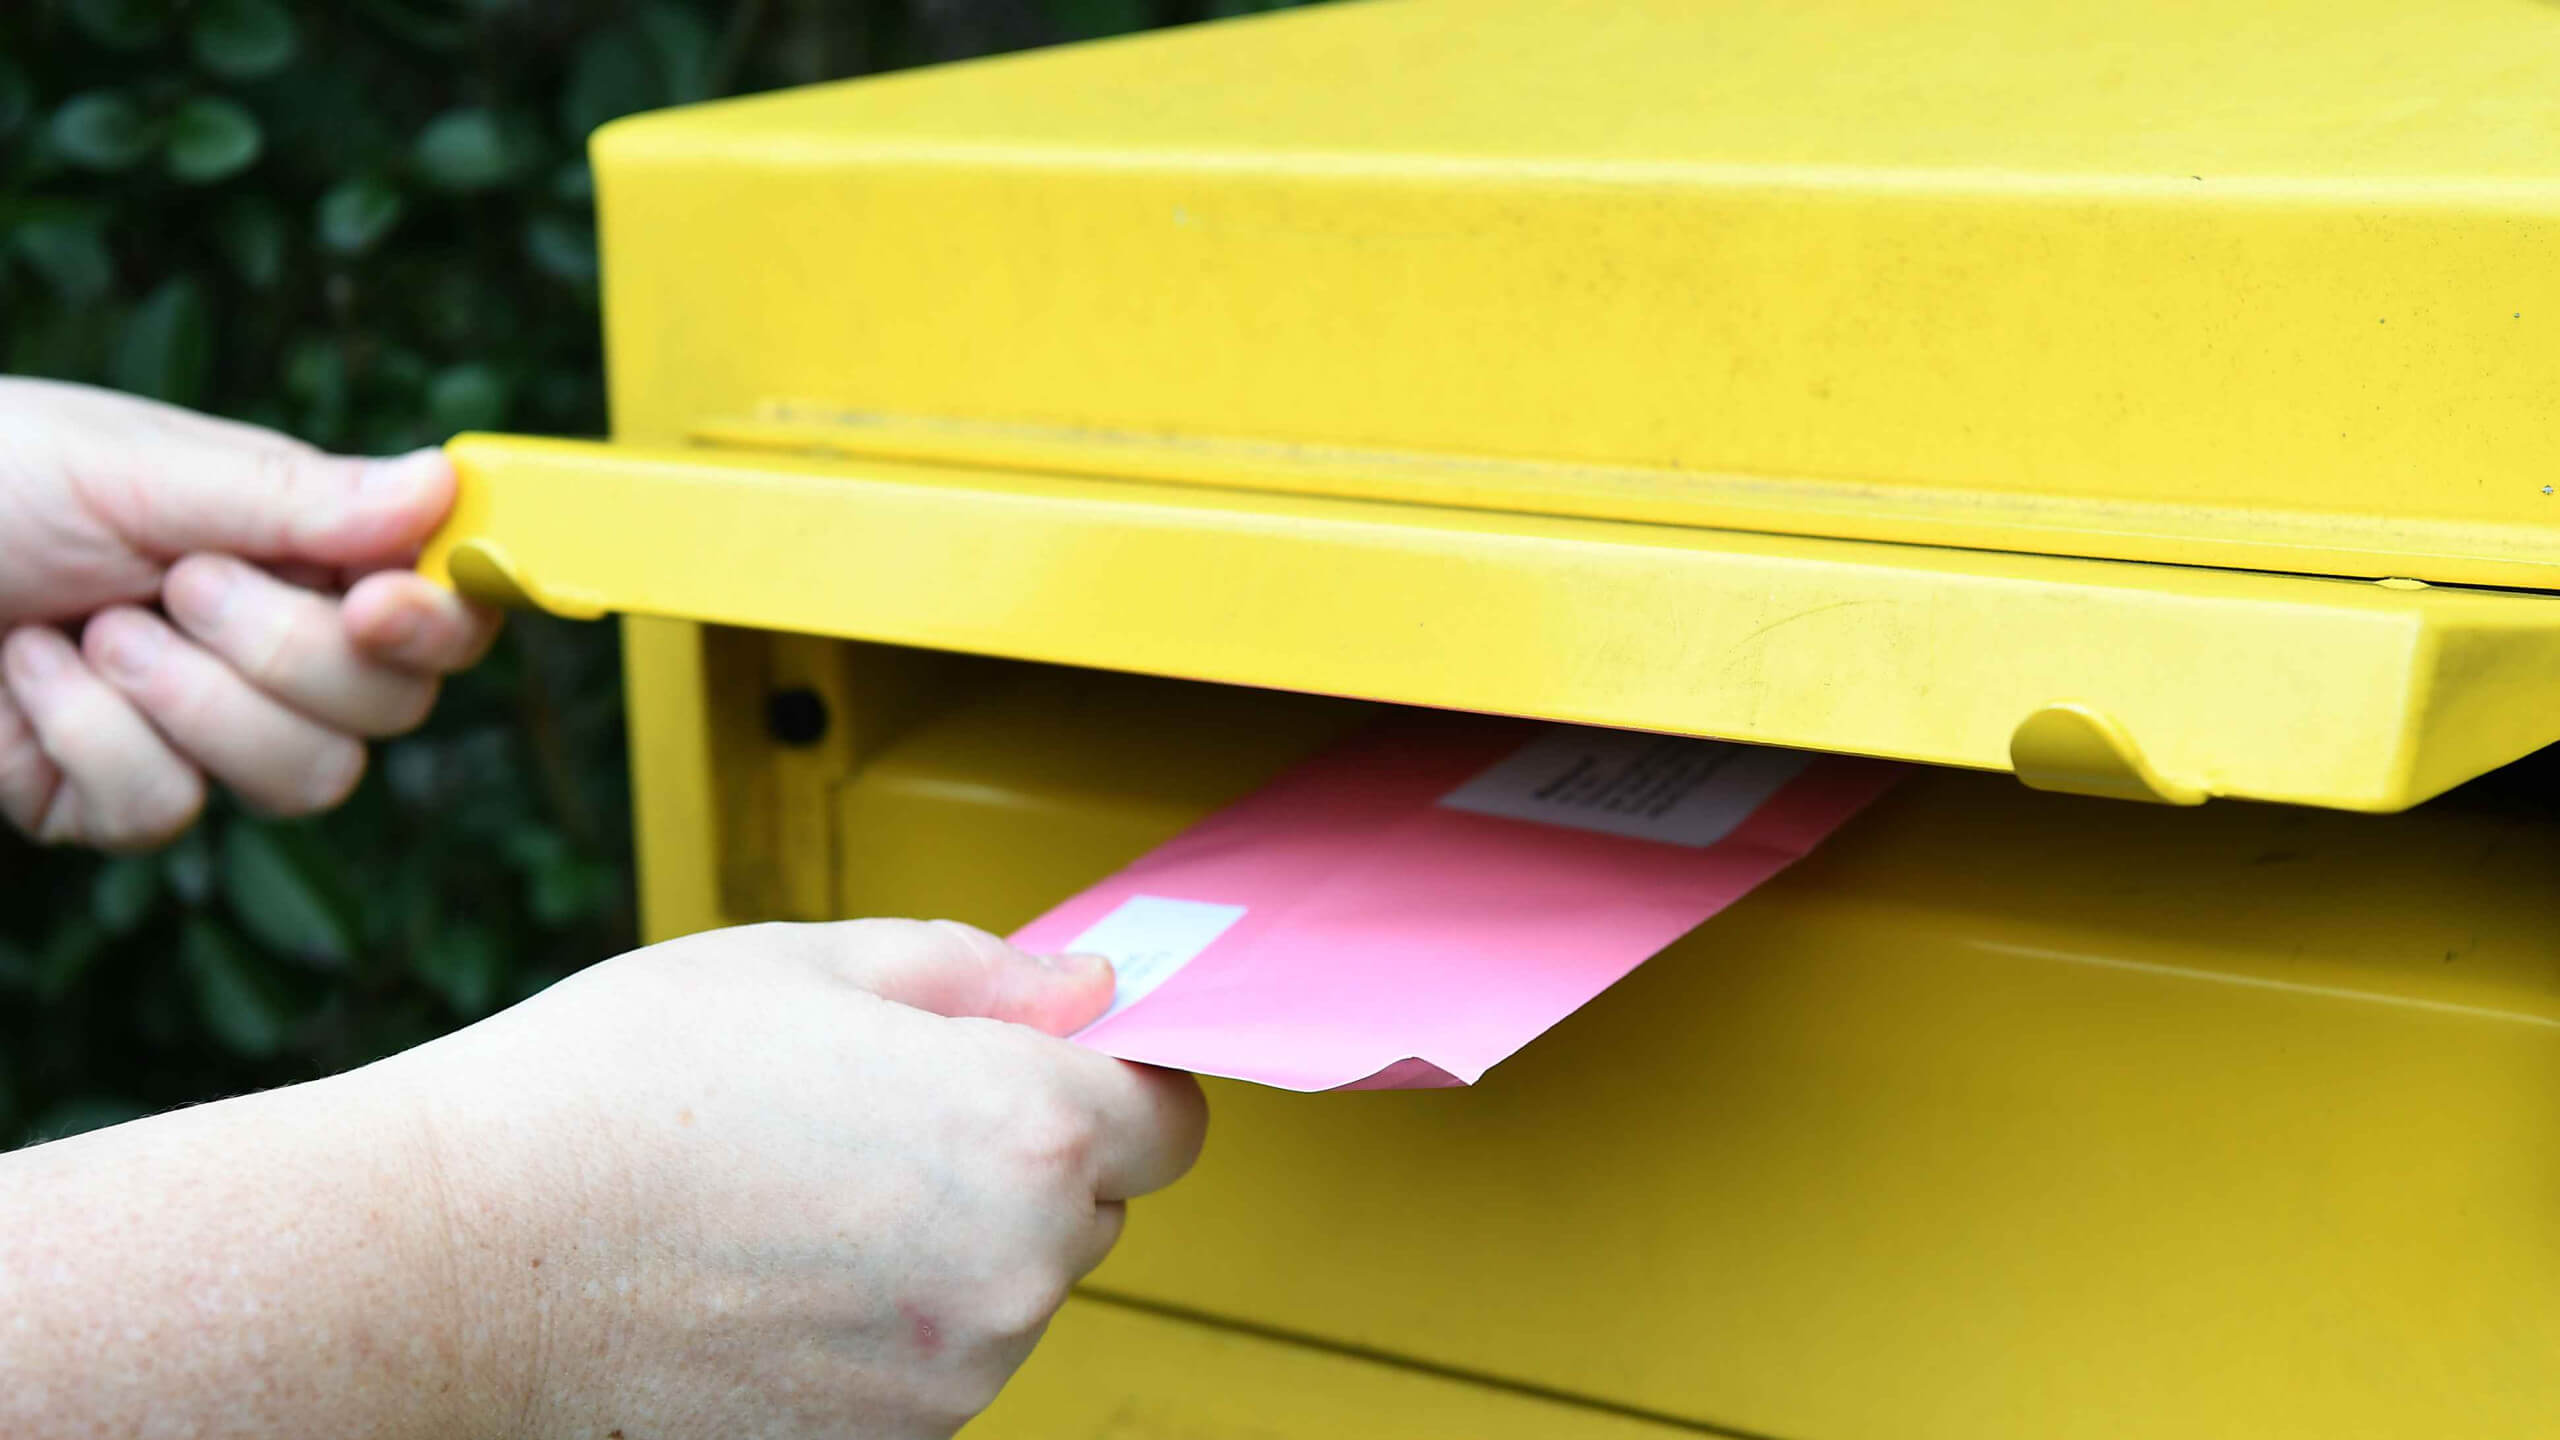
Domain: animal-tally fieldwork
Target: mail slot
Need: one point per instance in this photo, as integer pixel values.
(2126, 414)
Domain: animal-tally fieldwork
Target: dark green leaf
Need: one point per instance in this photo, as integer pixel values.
(102, 130)
(433, 32)
(613, 74)
(561, 886)
(121, 24)
(381, 1033)
(352, 340)
(253, 235)
(564, 249)
(462, 310)
(67, 245)
(121, 896)
(533, 982)
(17, 97)
(574, 184)
(315, 373)
(316, 370)
(413, 770)
(561, 397)
(239, 996)
(685, 49)
(163, 347)
(243, 39)
(189, 864)
(467, 397)
(60, 342)
(561, 894)
(356, 214)
(466, 150)
(162, 1004)
(463, 964)
(265, 414)
(392, 433)
(80, 1115)
(76, 941)
(212, 139)
(400, 368)
(533, 847)
(1088, 19)
(278, 894)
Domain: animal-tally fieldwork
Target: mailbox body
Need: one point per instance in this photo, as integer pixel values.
(2138, 398)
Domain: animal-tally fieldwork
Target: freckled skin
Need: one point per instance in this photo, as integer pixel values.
(891, 1177)
(238, 1264)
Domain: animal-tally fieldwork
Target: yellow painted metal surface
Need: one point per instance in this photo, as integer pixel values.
(2260, 285)
(1108, 1372)
(1032, 749)
(675, 798)
(1907, 380)
(2005, 1114)
(2327, 692)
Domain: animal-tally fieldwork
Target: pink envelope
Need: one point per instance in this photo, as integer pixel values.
(1413, 905)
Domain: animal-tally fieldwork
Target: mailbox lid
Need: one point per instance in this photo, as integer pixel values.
(2262, 286)
(2159, 682)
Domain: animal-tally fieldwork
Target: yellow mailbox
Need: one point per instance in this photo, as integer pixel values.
(2144, 401)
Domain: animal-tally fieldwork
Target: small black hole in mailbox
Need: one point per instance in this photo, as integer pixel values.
(795, 717)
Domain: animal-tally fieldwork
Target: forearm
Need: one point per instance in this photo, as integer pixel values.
(273, 1265)
(785, 1181)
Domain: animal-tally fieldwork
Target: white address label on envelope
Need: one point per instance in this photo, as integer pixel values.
(1148, 939)
(1666, 788)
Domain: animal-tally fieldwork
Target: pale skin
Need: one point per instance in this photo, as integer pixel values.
(288, 629)
(789, 1181)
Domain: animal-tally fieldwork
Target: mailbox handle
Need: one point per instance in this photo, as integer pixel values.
(2163, 682)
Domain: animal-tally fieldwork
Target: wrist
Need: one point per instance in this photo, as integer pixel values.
(473, 1268)
(277, 1264)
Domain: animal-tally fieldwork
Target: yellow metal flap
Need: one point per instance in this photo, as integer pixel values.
(2165, 682)
(2260, 285)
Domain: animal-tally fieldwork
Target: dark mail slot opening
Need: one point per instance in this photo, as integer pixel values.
(987, 790)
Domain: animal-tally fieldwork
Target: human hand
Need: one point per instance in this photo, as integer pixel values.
(291, 629)
(755, 1182)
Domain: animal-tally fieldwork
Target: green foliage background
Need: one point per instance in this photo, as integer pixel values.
(366, 222)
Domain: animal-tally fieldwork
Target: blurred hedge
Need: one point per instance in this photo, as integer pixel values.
(367, 223)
